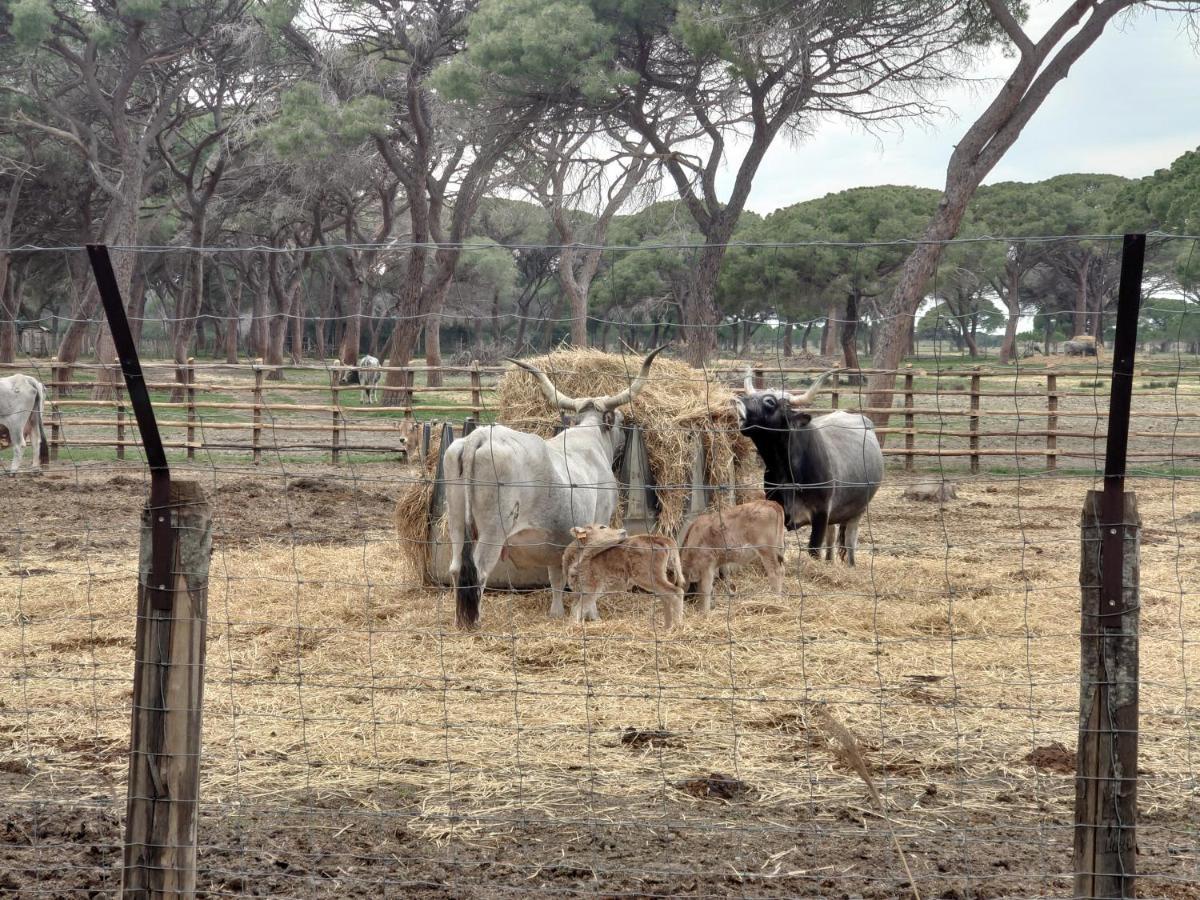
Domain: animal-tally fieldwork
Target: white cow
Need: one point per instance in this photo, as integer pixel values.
(369, 378)
(516, 496)
(22, 400)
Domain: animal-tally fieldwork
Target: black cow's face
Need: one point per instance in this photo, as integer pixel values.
(349, 377)
(762, 410)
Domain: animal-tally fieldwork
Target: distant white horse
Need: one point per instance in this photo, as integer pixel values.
(22, 400)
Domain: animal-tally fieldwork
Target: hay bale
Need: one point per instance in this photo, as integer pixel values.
(677, 404)
(931, 491)
(412, 509)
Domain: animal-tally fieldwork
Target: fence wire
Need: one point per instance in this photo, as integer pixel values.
(902, 727)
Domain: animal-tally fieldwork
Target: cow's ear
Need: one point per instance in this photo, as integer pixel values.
(610, 418)
(801, 418)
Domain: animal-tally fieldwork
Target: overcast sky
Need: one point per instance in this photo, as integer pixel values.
(1130, 106)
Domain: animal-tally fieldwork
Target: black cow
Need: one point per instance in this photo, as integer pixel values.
(822, 470)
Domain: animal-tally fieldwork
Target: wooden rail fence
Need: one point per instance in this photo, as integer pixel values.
(964, 415)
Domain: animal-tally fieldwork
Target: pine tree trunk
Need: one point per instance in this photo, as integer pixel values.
(700, 316)
(433, 351)
(850, 337)
(9, 306)
(829, 335)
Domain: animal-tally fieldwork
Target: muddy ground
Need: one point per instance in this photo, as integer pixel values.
(652, 813)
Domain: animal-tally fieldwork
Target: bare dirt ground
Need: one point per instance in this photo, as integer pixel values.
(355, 745)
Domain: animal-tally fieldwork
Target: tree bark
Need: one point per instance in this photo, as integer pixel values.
(804, 336)
(829, 334)
(1012, 303)
(433, 351)
(1041, 65)
(351, 343)
(1081, 297)
(850, 337)
(9, 307)
(233, 300)
(787, 339)
(700, 315)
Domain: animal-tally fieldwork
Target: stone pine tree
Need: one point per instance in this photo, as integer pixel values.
(710, 84)
(1042, 62)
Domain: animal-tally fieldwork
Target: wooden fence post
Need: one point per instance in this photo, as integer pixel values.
(974, 422)
(190, 391)
(56, 415)
(118, 388)
(1051, 421)
(910, 438)
(476, 391)
(833, 387)
(168, 684)
(408, 378)
(336, 425)
(1106, 759)
(256, 429)
(1106, 774)
(760, 380)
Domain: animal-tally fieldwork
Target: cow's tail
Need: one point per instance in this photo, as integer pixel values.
(467, 588)
(38, 410)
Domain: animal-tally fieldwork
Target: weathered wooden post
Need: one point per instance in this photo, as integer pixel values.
(1106, 767)
(335, 424)
(256, 414)
(118, 391)
(1051, 421)
(168, 691)
(163, 793)
(974, 422)
(909, 420)
(56, 415)
(190, 393)
(476, 390)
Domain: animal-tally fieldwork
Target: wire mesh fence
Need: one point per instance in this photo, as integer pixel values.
(905, 726)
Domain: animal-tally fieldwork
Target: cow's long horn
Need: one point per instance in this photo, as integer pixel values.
(806, 398)
(749, 382)
(553, 394)
(604, 404)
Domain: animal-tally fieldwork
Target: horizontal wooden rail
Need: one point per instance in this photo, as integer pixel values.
(960, 414)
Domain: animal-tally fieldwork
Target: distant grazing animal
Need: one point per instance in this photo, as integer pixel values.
(516, 496)
(734, 536)
(368, 378)
(822, 470)
(22, 401)
(931, 491)
(1080, 345)
(605, 560)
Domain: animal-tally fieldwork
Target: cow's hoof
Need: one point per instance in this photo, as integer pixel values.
(557, 612)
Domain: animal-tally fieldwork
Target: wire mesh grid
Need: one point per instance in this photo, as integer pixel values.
(905, 726)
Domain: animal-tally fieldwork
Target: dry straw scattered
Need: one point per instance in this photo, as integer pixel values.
(677, 407)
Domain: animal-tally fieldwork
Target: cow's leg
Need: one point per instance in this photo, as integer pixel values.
(35, 443)
(772, 561)
(707, 577)
(18, 449)
(816, 538)
(557, 580)
(849, 542)
(672, 598)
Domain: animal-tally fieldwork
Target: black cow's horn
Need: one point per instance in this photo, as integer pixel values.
(806, 398)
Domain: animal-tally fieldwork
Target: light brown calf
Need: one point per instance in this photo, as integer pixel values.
(604, 559)
(736, 536)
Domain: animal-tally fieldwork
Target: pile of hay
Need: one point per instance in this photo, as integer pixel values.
(412, 508)
(677, 404)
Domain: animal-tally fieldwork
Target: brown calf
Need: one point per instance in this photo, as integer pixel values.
(735, 536)
(604, 559)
